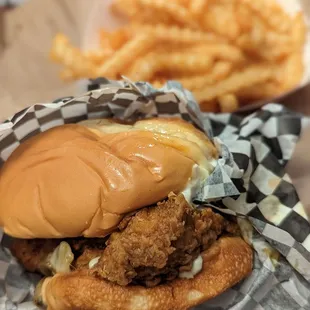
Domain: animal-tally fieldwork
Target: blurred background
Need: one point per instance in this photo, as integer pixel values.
(27, 30)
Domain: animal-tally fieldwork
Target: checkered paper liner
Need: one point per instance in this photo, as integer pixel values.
(248, 181)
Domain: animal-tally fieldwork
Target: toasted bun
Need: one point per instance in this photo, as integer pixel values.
(79, 180)
(226, 263)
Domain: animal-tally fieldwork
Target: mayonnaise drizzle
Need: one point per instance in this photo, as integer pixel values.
(199, 176)
(92, 263)
(196, 268)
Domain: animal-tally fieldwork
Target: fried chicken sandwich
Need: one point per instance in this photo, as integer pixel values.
(103, 210)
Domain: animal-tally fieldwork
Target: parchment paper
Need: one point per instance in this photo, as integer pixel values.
(249, 181)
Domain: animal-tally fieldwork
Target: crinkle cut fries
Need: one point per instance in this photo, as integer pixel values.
(227, 52)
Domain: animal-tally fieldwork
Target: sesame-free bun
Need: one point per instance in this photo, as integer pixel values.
(228, 261)
(81, 179)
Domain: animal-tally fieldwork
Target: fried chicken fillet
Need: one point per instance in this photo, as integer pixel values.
(150, 247)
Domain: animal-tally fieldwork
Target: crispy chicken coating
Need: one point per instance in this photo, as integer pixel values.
(150, 247)
(159, 242)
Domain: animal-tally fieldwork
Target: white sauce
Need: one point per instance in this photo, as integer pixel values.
(196, 268)
(199, 176)
(61, 258)
(93, 262)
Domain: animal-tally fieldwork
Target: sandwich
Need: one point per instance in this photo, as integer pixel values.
(103, 210)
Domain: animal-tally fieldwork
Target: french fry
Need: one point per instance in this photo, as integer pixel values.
(275, 48)
(104, 37)
(197, 7)
(265, 44)
(122, 58)
(219, 71)
(221, 19)
(176, 34)
(247, 78)
(72, 58)
(228, 103)
(271, 13)
(254, 38)
(97, 57)
(184, 3)
(59, 46)
(112, 41)
(176, 11)
(228, 52)
(128, 8)
(222, 51)
(273, 37)
(168, 47)
(185, 63)
(242, 15)
(145, 68)
(148, 17)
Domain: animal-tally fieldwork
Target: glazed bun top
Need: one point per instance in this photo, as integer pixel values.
(81, 179)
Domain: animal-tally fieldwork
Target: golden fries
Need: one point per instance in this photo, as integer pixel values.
(197, 7)
(228, 103)
(227, 52)
(143, 69)
(248, 77)
(221, 19)
(115, 65)
(220, 51)
(219, 71)
(62, 52)
(175, 34)
(127, 8)
(147, 67)
(185, 63)
(270, 13)
(114, 40)
(174, 10)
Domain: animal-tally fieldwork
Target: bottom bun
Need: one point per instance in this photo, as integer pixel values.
(226, 263)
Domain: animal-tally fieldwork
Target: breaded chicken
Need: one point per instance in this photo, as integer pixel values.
(158, 242)
(33, 253)
(152, 246)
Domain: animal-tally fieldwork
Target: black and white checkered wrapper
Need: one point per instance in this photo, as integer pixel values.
(248, 181)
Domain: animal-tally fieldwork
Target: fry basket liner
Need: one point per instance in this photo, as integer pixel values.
(249, 181)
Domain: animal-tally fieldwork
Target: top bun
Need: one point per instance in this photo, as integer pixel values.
(81, 179)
